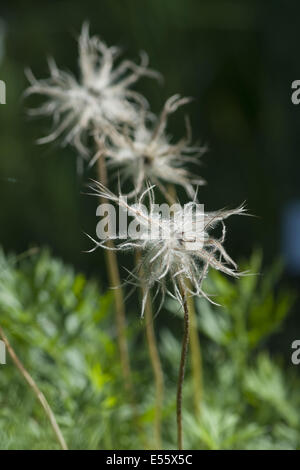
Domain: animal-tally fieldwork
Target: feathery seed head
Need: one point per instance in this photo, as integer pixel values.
(176, 248)
(99, 99)
(147, 154)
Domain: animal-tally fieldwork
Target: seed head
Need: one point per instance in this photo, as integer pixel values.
(99, 99)
(147, 153)
(182, 249)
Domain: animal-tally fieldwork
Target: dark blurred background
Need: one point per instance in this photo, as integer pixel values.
(237, 58)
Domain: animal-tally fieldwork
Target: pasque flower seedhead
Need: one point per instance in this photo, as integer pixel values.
(147, 153)
(100, 99)
(182, 249)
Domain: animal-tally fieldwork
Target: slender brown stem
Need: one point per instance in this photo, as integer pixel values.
(184, 350)
(40, 396)
(156, 365)
(196, 355)
(115, 282)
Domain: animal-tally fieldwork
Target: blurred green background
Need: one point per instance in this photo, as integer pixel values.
(236, 58)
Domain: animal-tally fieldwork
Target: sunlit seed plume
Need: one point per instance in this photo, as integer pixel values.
(100, 98)
(147, 153)
(170, 257)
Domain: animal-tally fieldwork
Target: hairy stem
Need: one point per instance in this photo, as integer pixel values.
(184, 350)
(40, 396)
(196, 355)
(155, 363)
(115, 282)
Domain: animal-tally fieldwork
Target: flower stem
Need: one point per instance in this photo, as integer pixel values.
(155, 363)
(196, 355)
(115, 282)
(40, 396)
(184, 350)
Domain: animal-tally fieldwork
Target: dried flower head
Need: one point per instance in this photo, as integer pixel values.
(147, 153)
(182, 247)
(100, 98)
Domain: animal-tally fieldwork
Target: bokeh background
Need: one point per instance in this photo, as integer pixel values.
(236, 58)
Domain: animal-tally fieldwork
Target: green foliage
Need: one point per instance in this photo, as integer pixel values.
(62, 327)
(251, 400)
(57, 322)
